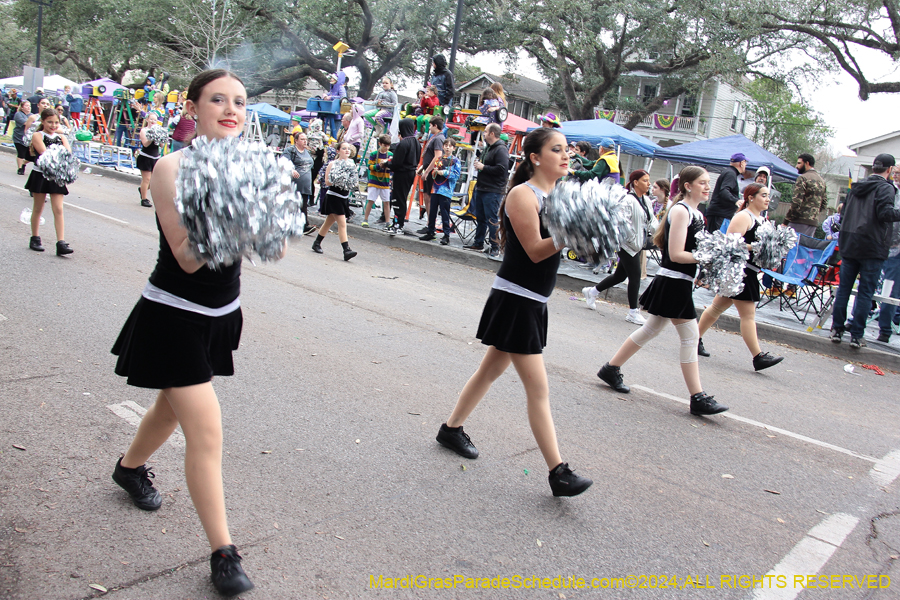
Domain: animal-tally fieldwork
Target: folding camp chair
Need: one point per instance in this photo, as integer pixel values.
(463, 222)
(800, 271)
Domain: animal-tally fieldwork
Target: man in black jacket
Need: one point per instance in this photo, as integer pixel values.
(867, 222)
(723, 201)
(493, 173)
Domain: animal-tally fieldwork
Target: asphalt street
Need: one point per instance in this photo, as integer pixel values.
(332, 474)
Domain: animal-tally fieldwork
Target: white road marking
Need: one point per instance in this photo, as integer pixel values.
(785, 432)
(133, 412)
(93, 212)
(2, 318)
(887, 469)
(808, 556)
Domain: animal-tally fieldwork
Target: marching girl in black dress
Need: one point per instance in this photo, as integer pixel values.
(147, 155)
(514, 321)
(180, 334)
(336, 204)
(669, 298)
(746, 222)
(39, 186)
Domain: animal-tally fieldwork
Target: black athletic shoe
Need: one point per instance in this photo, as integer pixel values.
(309, 230)
(857, 342)
(35, 243)
(564, 482)
(612, 376)
(21, 170)
(137, 483)
(836, 335)
(428, 237)
(421, 231)
(884, 337)
(764, 360)
(457, 440)
(479, 247)
(146, 203)
(445, 240)
(228, 575)
(63, 248)
(704, 404)
(701, 349)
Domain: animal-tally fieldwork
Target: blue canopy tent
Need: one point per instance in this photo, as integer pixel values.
(592, 130)
(716, 153)
(269, 114)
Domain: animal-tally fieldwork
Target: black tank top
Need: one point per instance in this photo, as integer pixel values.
(151, 151)
(750, 237)
(690, 241)
(518, 268)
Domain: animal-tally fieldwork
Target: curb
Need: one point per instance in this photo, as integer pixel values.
(799, 340)
(95, 169)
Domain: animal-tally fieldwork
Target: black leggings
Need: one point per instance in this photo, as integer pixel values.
(629, 268)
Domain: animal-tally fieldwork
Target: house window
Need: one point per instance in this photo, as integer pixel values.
(649, 93)
(689, 106)
(735, 115)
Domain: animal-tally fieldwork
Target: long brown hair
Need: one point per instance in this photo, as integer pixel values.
(46, 114)
(750, 191)
(204, 78)
(689, 174)
(664, 186)
(533, 144)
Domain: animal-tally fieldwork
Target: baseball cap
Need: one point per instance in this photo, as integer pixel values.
(607, 143)
(883, 161)
(738, 157)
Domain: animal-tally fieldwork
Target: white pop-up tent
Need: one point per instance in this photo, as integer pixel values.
(52, 83)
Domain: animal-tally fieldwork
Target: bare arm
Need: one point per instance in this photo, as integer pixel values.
(37, 142)
(143, 136)
(435, 161)
(523, 211)
(328, 174)
(678, 228)
(162, 189)
(741, 223)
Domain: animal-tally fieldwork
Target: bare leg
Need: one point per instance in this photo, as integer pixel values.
(36, 211)
(197, 409)
(326, 225)
(625, 351)
(386, 211)
(712, 313)
(155, 428)
(747, 311)
(56, 204)
(492, 367)
(342, 227)
(145, 183)
(690, 370)
(531, 370)
(369, 205)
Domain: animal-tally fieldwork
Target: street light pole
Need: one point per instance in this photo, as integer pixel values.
(459, 9)
(41, 4)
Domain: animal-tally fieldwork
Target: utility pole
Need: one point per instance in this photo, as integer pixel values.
(459, 9)
(40, 4)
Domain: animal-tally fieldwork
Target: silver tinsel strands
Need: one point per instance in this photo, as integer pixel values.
(772, 245)
(235, 197)
(344, 175)
(723, 256)
(29, 133)
(588, 217)
(58, 164)
(157, 135)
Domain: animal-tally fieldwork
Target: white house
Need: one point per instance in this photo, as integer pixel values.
(867, 150)
(525, 97)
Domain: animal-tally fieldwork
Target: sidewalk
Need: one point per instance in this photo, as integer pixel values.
(772, 324)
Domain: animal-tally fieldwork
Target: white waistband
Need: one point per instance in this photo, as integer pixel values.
(141, 153)
(664, 272)
(154, 294)
(333, 193)
(513, 288)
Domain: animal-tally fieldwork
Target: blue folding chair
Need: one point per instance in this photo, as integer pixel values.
(800, 272)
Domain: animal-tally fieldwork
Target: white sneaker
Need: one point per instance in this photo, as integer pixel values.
(390, 230)
(591, 294)
(634, 316)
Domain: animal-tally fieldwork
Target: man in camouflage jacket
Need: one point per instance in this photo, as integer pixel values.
(810, 197)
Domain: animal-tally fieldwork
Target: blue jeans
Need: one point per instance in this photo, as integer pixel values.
(868, 270)
(486, 206)
(892, 272)
(176, 145)
(121, 133)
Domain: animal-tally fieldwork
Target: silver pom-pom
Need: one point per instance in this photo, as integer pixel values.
(235, 197)
(723, 256)
(588, 218)
(29, 133)
(58, 164)
(157, 135)
(344, 175)
(772, 245)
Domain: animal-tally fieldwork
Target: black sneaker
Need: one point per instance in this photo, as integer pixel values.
(701, 349)
(445, 240)
(884, 337)
(564, 482)
(137, 483)
(457, 440)
(836, 335)
(421, 231)
(21, 170)
(479, 247)
(35, 243)
(309, 230)
(428, 237)
(764, 360)
(146, 203)
(704, 404)
(228, 575)
(857, 342)
(612, 376)
(63, 248)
